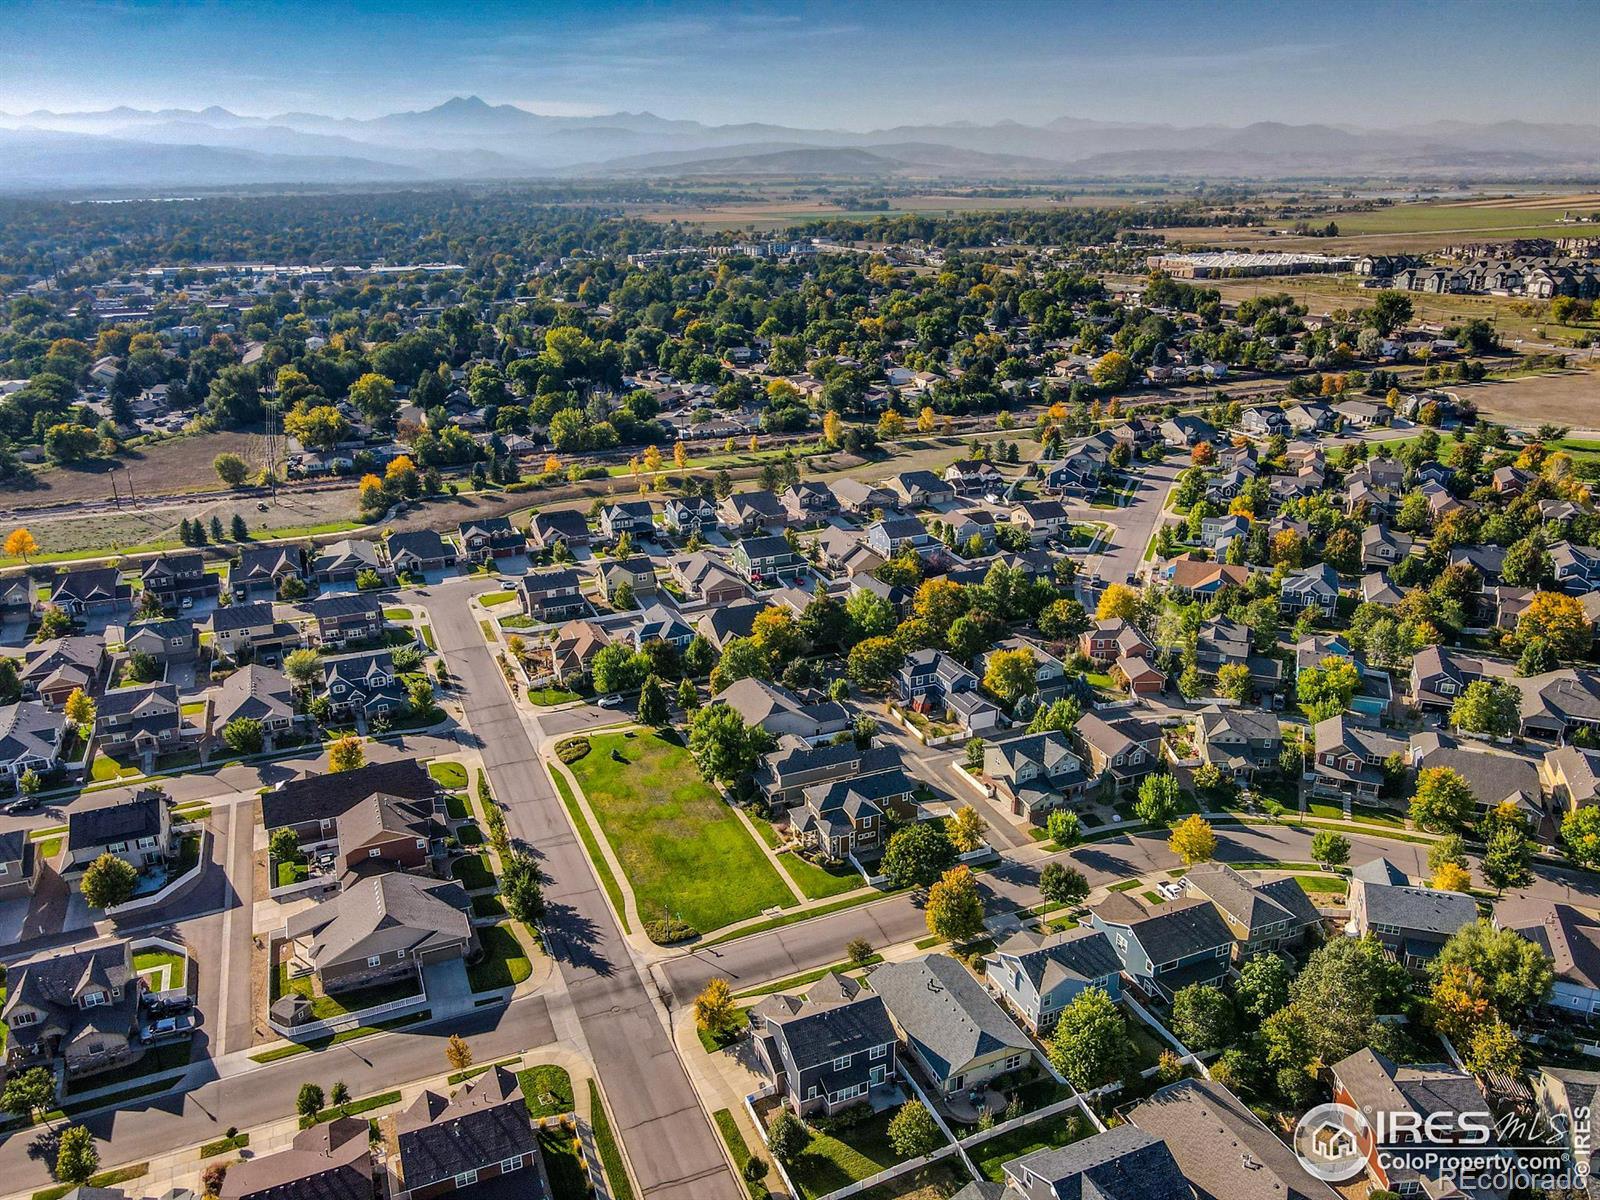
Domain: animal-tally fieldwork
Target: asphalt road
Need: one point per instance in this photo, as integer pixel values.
(670, 1143)
(1133, 525)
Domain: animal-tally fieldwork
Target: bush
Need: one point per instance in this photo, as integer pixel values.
(669, 931)
(571, 750)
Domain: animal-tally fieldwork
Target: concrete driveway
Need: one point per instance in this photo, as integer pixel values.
(449, 991)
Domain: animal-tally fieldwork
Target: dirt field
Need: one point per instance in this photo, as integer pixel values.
(171, 467)
(1570, 398)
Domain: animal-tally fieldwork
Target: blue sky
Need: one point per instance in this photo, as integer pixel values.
(860, 65)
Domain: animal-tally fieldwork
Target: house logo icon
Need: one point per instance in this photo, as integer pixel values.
(1328, 1142)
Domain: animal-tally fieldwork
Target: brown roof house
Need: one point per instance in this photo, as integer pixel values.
(387, 831)
(453, 1142)
(331, 1161)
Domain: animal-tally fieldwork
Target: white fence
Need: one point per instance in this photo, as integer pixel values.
(351, 1020)
(168, 993)
(173, 888)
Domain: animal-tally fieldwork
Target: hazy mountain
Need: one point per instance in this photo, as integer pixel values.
(468, 138)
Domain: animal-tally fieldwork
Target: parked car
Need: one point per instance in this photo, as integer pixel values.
(23, 804)
(609, 702)
(164, 1027)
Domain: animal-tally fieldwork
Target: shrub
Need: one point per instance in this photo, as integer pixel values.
(669, 931)
(571, 750)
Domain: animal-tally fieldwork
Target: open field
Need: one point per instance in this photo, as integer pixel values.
(1570, 398)
(682, 850)
(177, 465)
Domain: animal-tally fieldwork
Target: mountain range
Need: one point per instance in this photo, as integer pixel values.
(467, 138)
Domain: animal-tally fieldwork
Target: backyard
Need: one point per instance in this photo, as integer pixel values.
(161, 969)
(831, 1162)
(1051, 1133)
(682, 850)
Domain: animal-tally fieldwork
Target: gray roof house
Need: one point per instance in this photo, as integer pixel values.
(1039, 976)
(1240, 741)
(1034, 773)
(1168, 947)
(949, 1022)
(329, 1161)
(828, 1049)
(382, 929)
(779, 711)
(77, 1006)
(1413, 923)
(1124, 1163)
(30, 739)
(1262, 916)
(482, 1132)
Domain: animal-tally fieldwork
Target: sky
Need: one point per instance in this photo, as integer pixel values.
(860, 65)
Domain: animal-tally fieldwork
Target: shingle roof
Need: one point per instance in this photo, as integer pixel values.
(384, 915)
(833, 1020)
(1084, 955)
(1124, 1163)
(1172, 931)
(120, 821)
(325, 796)
(1419, 910)
(1568, 935)
(486, 1122)
(945, 1013)
(330, 1161)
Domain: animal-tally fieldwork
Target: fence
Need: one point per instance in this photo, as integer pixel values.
(173, 888)
(351, 1020)
(168, 993)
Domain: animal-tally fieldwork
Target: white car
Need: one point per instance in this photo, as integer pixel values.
(609, 702)
(1170, 890)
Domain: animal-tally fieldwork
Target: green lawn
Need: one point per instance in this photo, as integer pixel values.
(568, 1179)
(397, 614)
(451, 776)
(455, 804)
(1051, 1133)
(104, 1179)
(488, 906)
(504, 963)
(473, 871)
(104, 769)
(291, 872)
(586, 834)
(680, 847)
(605, 1143)
(545, 697)
(153, 961)
(817, 882)
(830, 1163)
(324, 1008)
(546, 1090)
(490, 599)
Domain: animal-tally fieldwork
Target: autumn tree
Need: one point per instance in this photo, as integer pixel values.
(346, 754)
(80, 710)
(955, 908)
(967, 829)
(1452, 877)
(457, 1053)
(1193, 840)
(1559, 621)
(1011, 675)
(20, 544)
(1443, 802)
(1117, 602)
(714, 1009)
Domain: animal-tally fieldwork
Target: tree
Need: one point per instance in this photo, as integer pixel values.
(1580, 831)
(30, 782)
(913, 1132)
(1193, 840)
(917, 855)
(1113, 371)
(244, 735)
(688, 695)
(1263, 986)
(346, 754)
(70, 442)
(1494, 1048)
(1059, 716)
(284, 846)
(30, 1091)
(1325, 690)
(955, 909)
(1330, 848)
(1452, 877)
(1063, 827)
(1117, 602)
(1490, 706)
(1158, 799)
(303, 667)
(787, 1136)
(77, 1157)
(231, 469)
(616, 668)
(373, 396)
(1508, 851)
(714, 1009)
(967, 829)
(1443, 802)
(722, 745)
(1527, 564)
(1062, 885)
(1090, 1045)
(1557, 620)
(1202, 1016)
(339, 1093)
(20, 543)
(322, 427)
(1458, 1002)
(1011, 675)
(108, 881)
(522, 887)
(309, 1100)
(1448, 849)
(80, 711)
(1515, 970)
(457, 1053)
(652, 703)
(872, 662)
(858, 952)
(54, 623)
(1233, 681)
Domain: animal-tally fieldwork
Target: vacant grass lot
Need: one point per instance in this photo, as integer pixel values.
(682, 850)
(818, 882)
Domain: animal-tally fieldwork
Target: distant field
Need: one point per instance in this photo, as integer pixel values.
(779, 212)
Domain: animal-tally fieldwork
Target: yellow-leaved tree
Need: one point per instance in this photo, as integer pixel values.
(20, 543)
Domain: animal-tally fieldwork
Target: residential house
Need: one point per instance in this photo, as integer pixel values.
(707, 578)
(138, 831)
(1570, 775)
(846, 817)
(826, 1050)
(862, 499)
(387, 831)
(566, 526)
(1079, 471)
(808, 502)
(20, 864)
(1108, 640)
(973, 476)
(1264, 422)
(1570, 939)
(146, 721)
(342, 561)
(1166, 947)
(1377, 588)
(31, 739)
(256, 693)
(1043, 519)
(262, 570)
(419, 551)
(920, 489)
(1124, 1163)
(1037, 975)
(1368, 1082)
(553, 594)
(53, 670)
(1311, 588)
(637, 571)
(329, 1161)
(1240, 741)
(1202, 580)
(722, 624)
(1124, 748)
(1262, 916)
(312, 805)
(173, 640)
(1383, 547)
(1439, 675)
(75, 1009)
(87, 591)
(1564, 1099)
(382, 930)
(1221, 1147)
(927, 679)
(1577, 568)
(1495, 776)
(784, 774)
(747, 512)
(251, 630)
(19, 595)
(1413, 923)
(950, 1025)
(659, 623)
(764, 561)
(893, 536)
(779, 711)
(636, 518)
(1049, 672)
(1035, 773)
(339, 620)
(1351, 758)
(1185, 432)
(1217, 532)
(488, 539)
(575, 646)
(690, 516)
(482, 1132)
(364, 685)
(177, 576)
